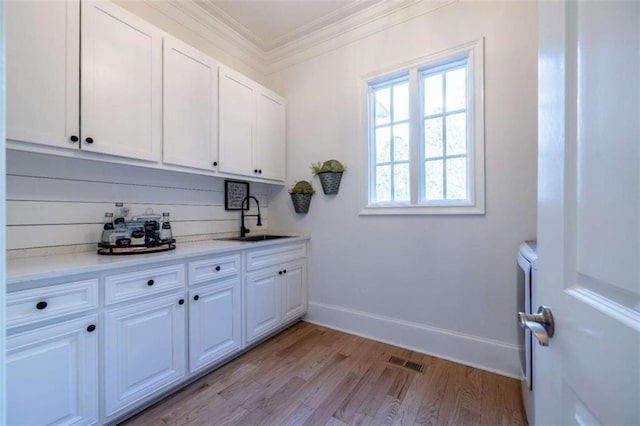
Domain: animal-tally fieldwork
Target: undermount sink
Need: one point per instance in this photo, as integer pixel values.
(255, 238)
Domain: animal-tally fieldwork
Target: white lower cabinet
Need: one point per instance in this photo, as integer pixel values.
(263, 303)
(96, 347)
(144, 350)
(294, 290)
(215, 313)
(274, 296)
(52, 374)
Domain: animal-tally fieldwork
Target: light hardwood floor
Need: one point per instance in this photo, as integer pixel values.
(313, 375)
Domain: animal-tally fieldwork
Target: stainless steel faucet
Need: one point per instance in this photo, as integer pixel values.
(244, 230)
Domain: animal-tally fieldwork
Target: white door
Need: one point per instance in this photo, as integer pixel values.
(214, 322)
(52, 375)
(121, 89)
(589, 213)
(263, 303)
(145, 350)
(190, 107)
(43, 72)
(270, 135)
(294, 290)
(237, 117)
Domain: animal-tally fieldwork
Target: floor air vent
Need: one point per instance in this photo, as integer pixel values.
(415, 366)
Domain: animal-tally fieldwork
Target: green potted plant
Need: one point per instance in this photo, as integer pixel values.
(330, 174)
(301, 193)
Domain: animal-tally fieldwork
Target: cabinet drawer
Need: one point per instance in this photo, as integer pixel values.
(143, 283)
(214, 268)
(261, 258)
(50, 302)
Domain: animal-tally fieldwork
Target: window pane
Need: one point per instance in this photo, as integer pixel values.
(383, 144)
(456, 89)
(457, 179)
(433, 94)
(401, 182)
(382, 99)
(457, 134)
(401, 142)
(433, 137)
(433, 180)
(401, 102)
(383, 183)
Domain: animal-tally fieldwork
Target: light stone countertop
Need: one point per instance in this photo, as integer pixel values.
(24, 270)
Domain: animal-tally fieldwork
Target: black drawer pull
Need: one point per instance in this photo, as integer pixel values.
(279, 272)
(217, 268)
(89, 140)
(215, 163)
(74, 138)
(150, 283)
(196, 297)
(284, 272)
(181, 302)
(41, 305)
(91, 328)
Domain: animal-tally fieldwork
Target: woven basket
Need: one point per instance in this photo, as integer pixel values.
(301, 202)
(330, 182)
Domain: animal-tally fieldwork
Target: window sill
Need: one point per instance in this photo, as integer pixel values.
(414, 210)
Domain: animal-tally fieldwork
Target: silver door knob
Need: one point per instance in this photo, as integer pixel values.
(540, 324)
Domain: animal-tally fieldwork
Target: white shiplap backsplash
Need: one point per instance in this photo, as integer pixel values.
(57, 204)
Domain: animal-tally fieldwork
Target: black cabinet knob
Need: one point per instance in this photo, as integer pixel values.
(91, 328)
(196, 297)
(41, 305)
(150, 283)
(217, 268)
(181, 302)
(279, 272)
(255, 170)
(284, 272)
(89, 140)
(215, 163)
(74, 138)
(260, 171)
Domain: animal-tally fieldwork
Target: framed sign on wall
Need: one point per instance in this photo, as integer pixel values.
(234, 192)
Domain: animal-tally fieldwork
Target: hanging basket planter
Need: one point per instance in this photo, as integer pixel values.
(301, 202)
(330, 182)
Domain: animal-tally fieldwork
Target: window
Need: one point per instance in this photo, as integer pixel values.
(426, 137)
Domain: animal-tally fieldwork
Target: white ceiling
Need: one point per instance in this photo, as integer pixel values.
(270, 24)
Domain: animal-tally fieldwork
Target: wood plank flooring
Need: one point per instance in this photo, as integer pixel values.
(311, 375)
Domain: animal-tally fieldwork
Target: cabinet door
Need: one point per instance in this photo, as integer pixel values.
(262, 304)
(190, 106)
(270, 135)
(121, 62)
(293, 284)
(237, 117)
(43, 71)
(52, 375)
(145, 350)
(214, 322)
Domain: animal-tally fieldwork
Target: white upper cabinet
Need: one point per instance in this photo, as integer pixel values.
(252, 128)
(190, 107)
(121, 90)
(237, 116)
(270, 135)
(42, 66)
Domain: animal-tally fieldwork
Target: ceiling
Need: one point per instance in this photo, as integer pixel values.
(270, 24)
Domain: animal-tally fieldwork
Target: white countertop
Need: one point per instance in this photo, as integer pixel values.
(27, 269)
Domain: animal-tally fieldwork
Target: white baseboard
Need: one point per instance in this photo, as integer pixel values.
(486, 354)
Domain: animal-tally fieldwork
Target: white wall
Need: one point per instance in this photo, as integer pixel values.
(57, 204)
(440, 284)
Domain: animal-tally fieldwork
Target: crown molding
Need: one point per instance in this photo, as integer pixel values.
(360, 25)
(191, 16)
(307, 42)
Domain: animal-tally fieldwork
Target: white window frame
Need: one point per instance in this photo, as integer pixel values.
(475, 204)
